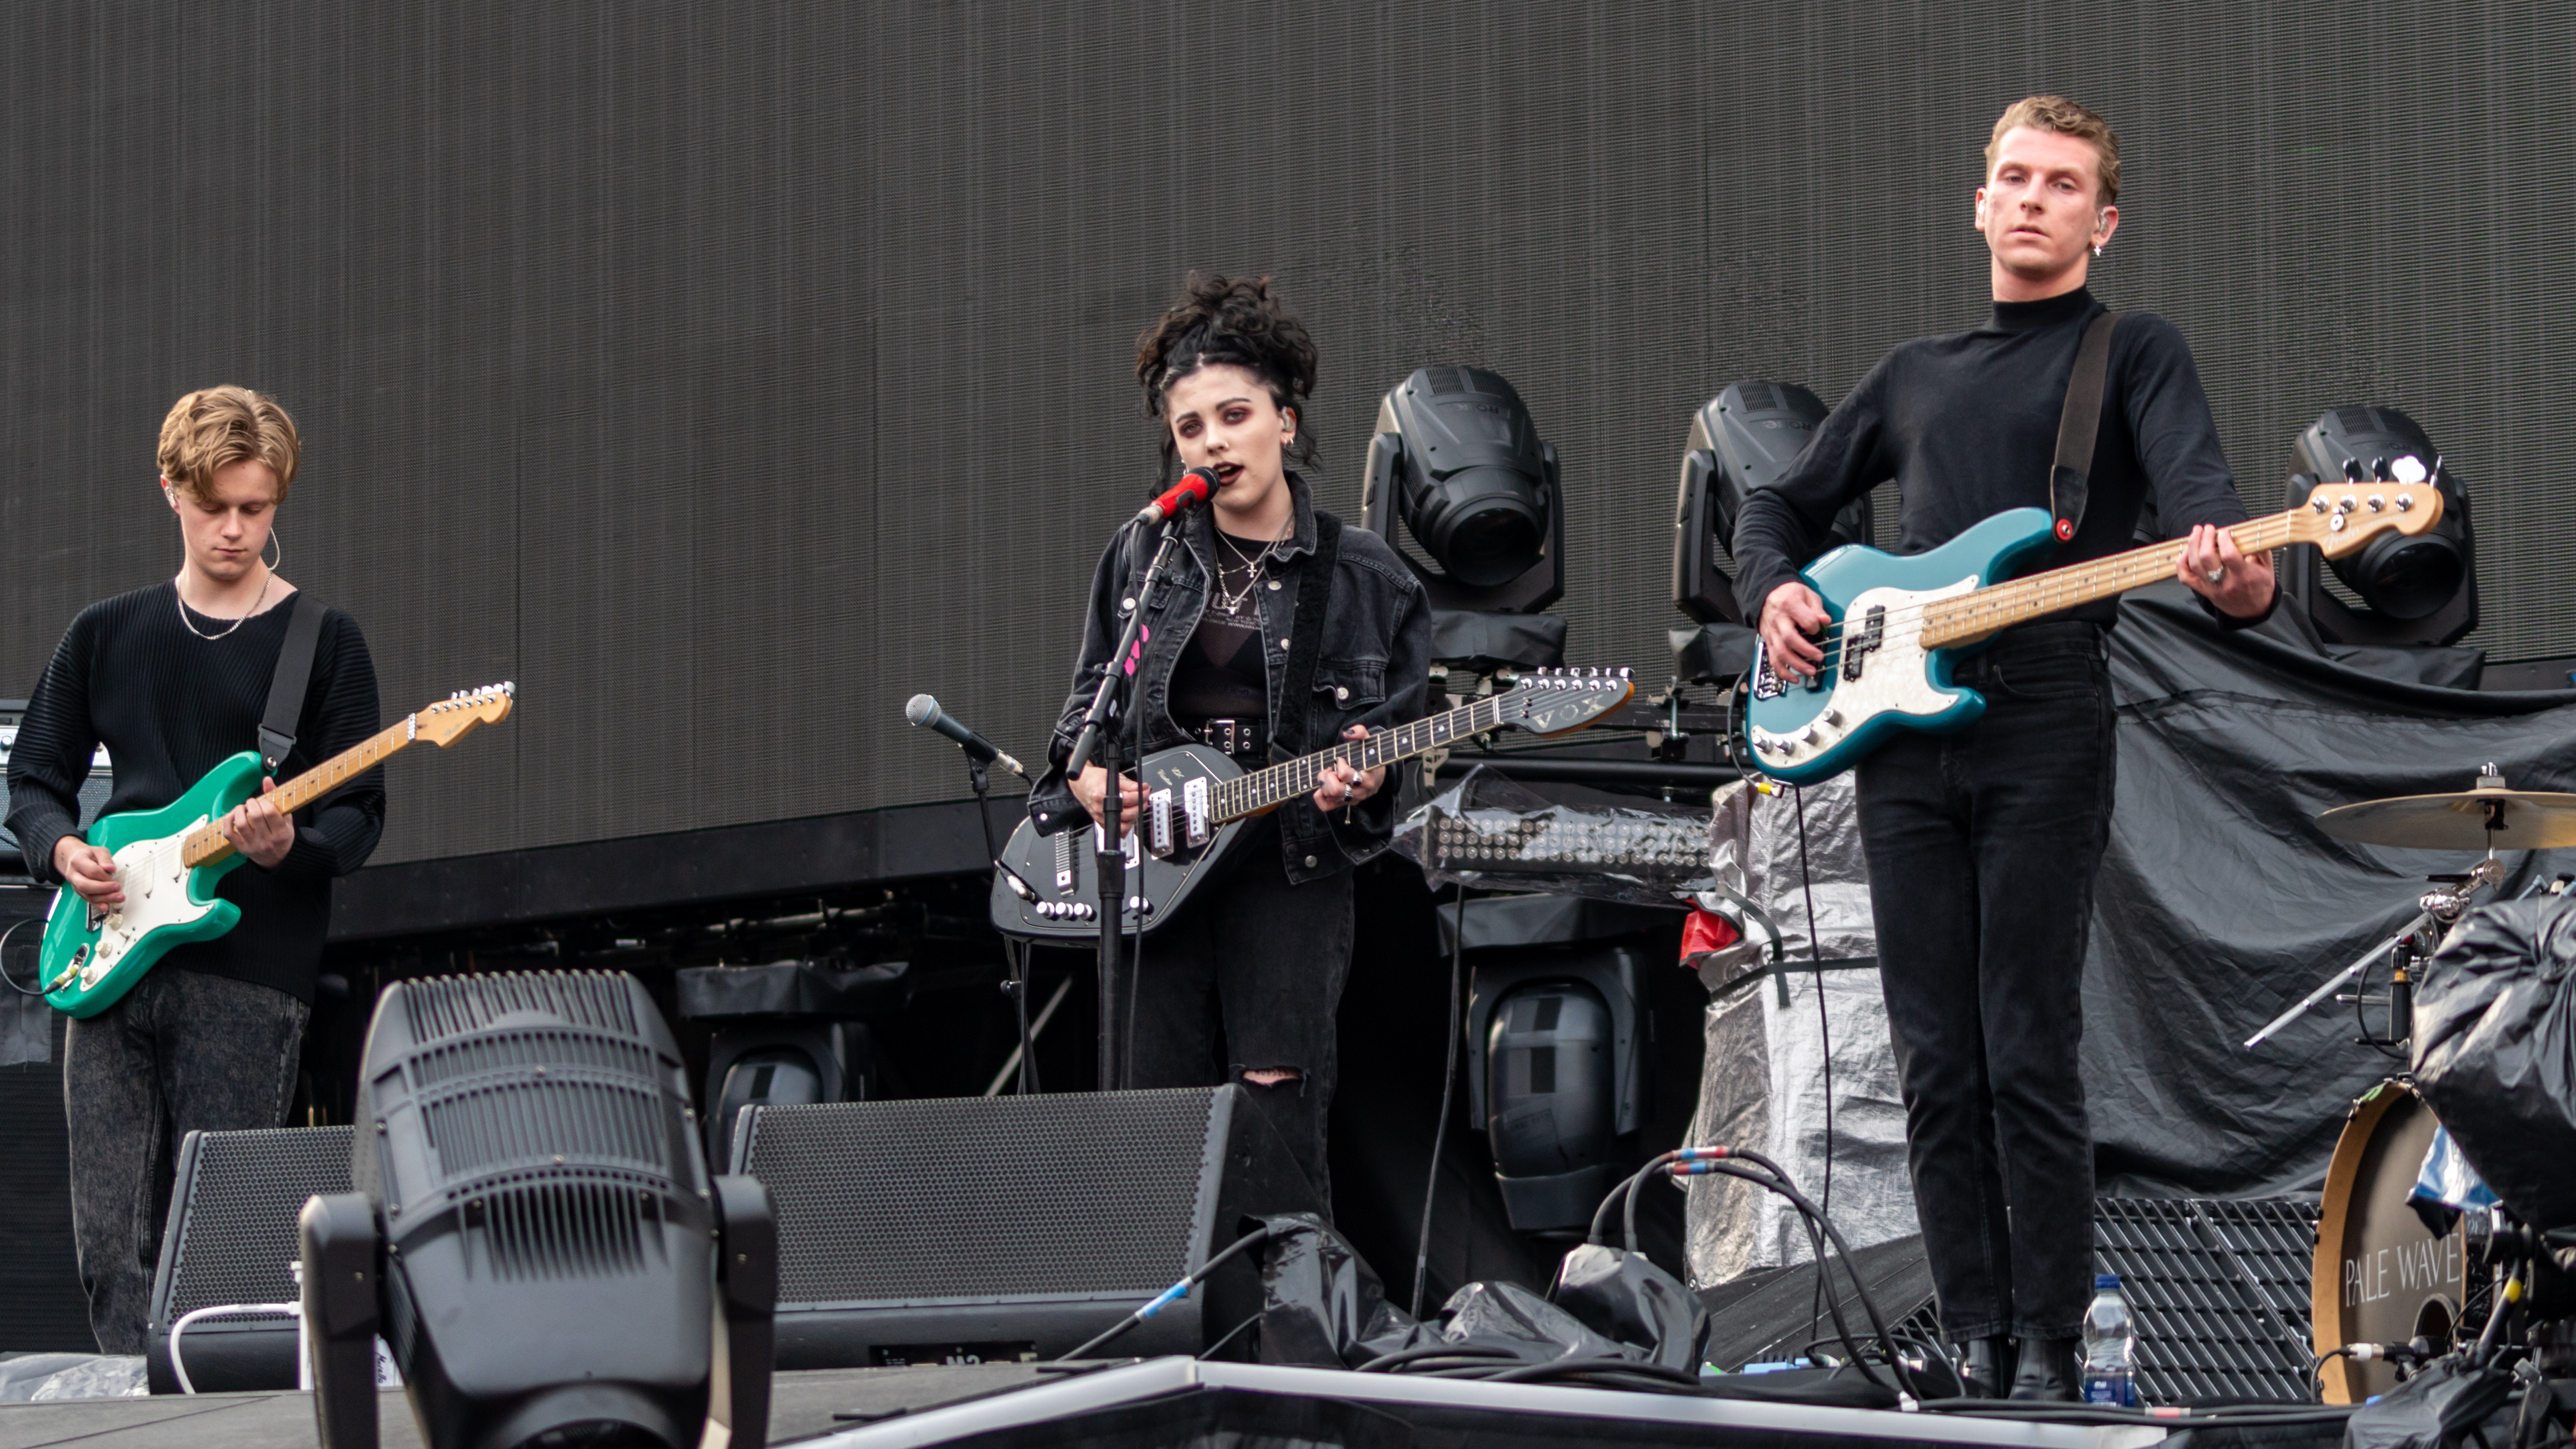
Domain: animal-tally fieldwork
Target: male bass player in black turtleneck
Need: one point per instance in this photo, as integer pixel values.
(1982, 845)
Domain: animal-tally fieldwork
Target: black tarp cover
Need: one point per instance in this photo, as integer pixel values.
(2221, 903)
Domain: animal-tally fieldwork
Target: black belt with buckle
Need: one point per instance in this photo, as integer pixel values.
(1243, 739)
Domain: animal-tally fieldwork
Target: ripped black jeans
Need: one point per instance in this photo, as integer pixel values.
(1246, 979)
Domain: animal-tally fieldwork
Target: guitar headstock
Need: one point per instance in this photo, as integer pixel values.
(452, 718)
(2342, 516)
(1555, 701)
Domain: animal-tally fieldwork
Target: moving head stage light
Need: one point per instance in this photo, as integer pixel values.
(1740, 440)
(534, 1232)
(1457, 456)
(2417, 588)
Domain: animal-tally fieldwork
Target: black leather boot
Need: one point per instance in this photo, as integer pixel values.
(1987, 1366)
(2047, 1371)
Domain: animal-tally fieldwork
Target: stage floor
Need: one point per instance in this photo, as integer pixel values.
(1173, 1401)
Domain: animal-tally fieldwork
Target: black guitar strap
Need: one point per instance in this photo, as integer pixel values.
(286, 687)
(1306, 635)
(2079, 425)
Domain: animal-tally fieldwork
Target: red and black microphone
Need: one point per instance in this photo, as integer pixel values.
(1192, 490)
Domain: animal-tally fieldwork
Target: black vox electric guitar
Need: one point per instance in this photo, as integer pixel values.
(1196, 800)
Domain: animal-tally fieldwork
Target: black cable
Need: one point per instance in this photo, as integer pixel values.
(1623, 1367)
(40, 959)
(1448, 1085)
(1231, 1335)
(1390, 1362)
(1181, 1290)
(1824, 1020)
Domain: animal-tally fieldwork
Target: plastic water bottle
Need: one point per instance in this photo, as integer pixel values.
(2110, 1346)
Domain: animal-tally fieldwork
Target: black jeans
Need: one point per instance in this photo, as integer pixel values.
(182, 1052)
(1982, 851)
(1246, 979)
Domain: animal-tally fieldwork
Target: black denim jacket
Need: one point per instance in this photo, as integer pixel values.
(1374, 669)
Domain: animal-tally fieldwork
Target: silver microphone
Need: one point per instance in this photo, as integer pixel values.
(925, 712)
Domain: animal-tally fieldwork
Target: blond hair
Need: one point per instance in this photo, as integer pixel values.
(215, 427)
(2066, 118)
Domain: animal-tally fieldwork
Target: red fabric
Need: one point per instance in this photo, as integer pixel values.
(1707, 931)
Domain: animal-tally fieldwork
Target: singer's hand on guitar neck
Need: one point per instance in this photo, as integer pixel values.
(1091, 787)
(1793, 618)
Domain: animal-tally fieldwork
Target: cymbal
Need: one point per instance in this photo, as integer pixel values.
(2524, 820)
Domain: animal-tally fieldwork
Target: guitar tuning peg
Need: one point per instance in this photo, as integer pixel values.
(2352, 472)
(2379, 470)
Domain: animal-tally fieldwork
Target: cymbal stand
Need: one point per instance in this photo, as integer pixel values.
(2444, 904)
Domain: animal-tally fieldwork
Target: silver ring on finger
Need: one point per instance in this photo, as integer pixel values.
(2214, 575)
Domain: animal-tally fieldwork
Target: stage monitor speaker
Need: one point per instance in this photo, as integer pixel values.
(978, 1229)
(229, 1239)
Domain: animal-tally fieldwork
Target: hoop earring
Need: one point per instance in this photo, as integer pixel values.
(281, 551)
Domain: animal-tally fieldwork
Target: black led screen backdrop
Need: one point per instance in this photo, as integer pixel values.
(727, 374)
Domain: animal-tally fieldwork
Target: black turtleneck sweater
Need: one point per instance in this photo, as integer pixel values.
(1967, 426)
(170, 706)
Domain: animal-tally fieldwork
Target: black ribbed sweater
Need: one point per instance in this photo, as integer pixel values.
(170, 706)
(1967, 426)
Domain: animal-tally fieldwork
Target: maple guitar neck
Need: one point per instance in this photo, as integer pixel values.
(206, 844)
(1952, 623)
(1267, 789)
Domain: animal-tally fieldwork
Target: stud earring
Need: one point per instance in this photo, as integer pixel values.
(2097, 251)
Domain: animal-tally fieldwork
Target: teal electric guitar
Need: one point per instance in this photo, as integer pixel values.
(169, 859)
(1899, 622)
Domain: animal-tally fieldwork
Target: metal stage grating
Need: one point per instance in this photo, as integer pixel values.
(2219, 1291)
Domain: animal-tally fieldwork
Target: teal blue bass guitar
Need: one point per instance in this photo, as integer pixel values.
(1898, 623)
(168, 860)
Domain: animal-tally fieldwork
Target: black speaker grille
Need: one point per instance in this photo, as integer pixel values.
(970, 1197)
(237, 1223)
(2219, 1291)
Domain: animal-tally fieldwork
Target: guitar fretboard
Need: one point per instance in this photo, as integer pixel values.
(1971, 617)
(1267, 788)
(206, 844)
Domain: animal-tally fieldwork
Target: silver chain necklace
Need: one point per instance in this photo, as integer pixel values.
(1231, 605)
(191, 624)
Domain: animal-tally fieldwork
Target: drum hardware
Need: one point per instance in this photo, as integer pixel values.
(2450, 896)
(2488, 817)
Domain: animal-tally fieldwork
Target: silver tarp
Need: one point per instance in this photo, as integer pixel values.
(1763, 1080)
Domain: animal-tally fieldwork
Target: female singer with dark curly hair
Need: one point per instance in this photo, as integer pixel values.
(1242, 984)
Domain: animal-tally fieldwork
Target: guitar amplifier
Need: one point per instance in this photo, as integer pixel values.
(230, 1236)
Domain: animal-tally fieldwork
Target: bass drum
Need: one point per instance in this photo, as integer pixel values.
(2381, 1276)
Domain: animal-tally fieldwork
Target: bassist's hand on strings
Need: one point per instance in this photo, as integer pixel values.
(258, 831)
(1091, 787)
(1346, 784)
(88, 870)
(2213, 567)
(1793, 619)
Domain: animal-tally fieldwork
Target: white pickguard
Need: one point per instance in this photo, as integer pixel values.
(156, 896)
(1895, 678)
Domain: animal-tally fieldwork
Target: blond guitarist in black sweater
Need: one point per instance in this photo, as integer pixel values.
(172, 679)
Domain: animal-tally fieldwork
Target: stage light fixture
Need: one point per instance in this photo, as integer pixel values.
(2416, 589)
(1740, 440)
(1457, 457)
(534, 1231)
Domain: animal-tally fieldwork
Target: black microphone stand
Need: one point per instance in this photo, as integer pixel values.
(1100, 735)
(1014, 952)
